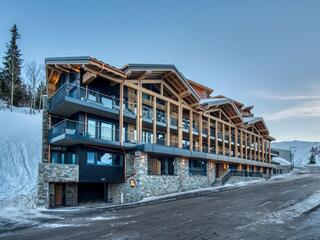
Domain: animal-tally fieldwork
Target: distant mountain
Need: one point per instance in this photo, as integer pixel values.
(300, 150)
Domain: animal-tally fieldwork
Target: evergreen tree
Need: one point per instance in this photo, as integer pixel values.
(312, 158)
(12, 64)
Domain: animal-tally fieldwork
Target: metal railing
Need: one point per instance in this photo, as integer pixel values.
(90, 131)
(239, 173)
(93, 96)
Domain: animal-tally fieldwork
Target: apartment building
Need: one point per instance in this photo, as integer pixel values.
(119, 135)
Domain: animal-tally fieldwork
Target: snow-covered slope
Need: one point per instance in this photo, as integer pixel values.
(20, 153)
(300, 150)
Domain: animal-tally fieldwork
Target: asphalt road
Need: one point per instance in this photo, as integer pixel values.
(279, 209)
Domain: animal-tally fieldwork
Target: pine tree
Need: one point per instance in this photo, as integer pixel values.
(12, 64)
(312, 158)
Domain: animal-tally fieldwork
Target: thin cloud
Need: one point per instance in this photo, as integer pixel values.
(308, 109)
(269, 95)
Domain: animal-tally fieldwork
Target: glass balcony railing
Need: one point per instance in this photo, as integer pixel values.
(92, 96)
(186, 124)
(90, 131)
(173, 122)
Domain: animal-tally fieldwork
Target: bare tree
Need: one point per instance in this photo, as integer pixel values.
(34, 75)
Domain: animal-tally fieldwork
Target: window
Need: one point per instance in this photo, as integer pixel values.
(92, 128)
(90, 157)
(197, 167)
(160, 166)
(107, 131)
(103, 158)
(63, 157)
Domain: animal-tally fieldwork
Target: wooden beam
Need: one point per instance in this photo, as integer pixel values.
(236, 142)
(209, 135)
(88, 77)
(180, 124)
(168, 115)
(216, 136)
(154, 120)
(121, 135)
(191, 129)
(223, 143)
(200, 133)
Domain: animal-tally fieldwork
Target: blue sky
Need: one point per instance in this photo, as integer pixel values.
(265, 53)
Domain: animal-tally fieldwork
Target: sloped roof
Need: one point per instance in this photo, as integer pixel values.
(281, 161)
(169, 72)
(259, 122)
(221, 102)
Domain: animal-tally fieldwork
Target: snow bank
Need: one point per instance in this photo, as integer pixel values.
(20, 153)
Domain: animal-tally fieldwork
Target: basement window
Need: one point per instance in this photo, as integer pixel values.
(160, 166)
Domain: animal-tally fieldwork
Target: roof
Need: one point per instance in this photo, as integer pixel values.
(209, 90)
(210, 102)
(257, 121)
(281, 161)
(160, 69)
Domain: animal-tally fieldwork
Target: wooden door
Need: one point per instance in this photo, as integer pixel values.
(58, 195)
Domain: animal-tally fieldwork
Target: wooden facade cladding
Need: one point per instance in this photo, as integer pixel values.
(230, 136)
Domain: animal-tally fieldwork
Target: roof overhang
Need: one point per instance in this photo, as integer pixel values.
(259, 123)
(168, 73)
(227, 105)
(57, 65)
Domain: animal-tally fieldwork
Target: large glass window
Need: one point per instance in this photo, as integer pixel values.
(92, 127)
(107, 131)
(63, 157)
(160, 166)
(90, 157)
(103, 158)
(197, 167)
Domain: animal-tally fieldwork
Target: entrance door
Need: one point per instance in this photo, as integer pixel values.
(58, 195)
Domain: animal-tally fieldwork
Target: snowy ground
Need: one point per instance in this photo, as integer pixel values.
(20, 153)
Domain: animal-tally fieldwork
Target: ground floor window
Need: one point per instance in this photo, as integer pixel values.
(197, 167)
(104, 158)
(160, 165)
(64, 157)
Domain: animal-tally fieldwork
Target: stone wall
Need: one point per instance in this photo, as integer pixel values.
(45, 130)
(156, 185)
(55, 173)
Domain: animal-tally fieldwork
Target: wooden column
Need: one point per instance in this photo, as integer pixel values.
(139, 112)
(246, 145)
(263, 150)
(223, 143)
(191, 129)
(180, 124)
(269, 143)
(209, 134)
(259, 159)
(154, 123)
(250, 146)
(121, 134)
(200, 132)
(168, 123)
(216, 137)
(241, 143)
(236, 142)
(230, 145)
(255, 141)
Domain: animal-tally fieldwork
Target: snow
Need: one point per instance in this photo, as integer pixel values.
(293, 211)
(281, 161)
(300, 150)
(20, 153)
